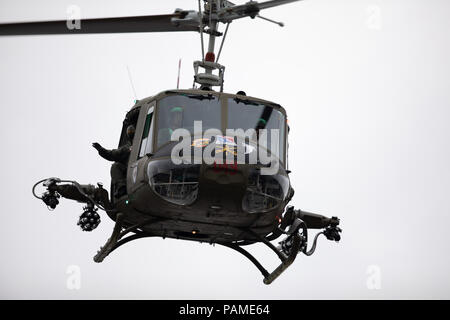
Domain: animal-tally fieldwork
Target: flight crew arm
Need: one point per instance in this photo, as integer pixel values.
(117, 155)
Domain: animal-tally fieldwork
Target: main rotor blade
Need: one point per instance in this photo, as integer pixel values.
(274, 3)
(249, 9)
(156, 23)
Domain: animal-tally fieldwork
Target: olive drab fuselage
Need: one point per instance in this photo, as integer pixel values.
(233, 204)
(216, 214)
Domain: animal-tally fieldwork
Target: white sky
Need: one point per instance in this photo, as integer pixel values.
(367, 91)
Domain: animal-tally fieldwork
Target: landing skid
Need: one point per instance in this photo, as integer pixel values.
(296, 240)
(117, 237)
(286, 261)
(296, 221)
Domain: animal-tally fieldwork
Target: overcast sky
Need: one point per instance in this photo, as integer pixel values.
(366, 85)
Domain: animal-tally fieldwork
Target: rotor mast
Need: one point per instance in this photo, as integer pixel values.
(208, 79)
(222, 11)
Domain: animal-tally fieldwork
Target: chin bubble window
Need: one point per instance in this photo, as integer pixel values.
(177, 184)
(264, 192)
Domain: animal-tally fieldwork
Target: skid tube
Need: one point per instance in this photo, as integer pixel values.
(287, 252)
(117, 237)
(286, 261)
(295, 242)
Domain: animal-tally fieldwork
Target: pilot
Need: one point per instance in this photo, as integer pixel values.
(120, 157)
(175, 122)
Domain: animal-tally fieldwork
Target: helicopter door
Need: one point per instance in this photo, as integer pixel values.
(146, 146)
(130, 119)
(142, 147)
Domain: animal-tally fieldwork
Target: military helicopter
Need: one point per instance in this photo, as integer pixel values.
(226, 202)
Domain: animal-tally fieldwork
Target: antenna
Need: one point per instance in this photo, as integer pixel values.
(178, 78)
(131, 82)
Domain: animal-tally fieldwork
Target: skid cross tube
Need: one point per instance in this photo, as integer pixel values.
(116, 239)
(269, 244)
(244, 252)
(285, 261)
(115, 236)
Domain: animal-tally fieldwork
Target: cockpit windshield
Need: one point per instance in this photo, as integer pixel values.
(180, 111)
(247, 114)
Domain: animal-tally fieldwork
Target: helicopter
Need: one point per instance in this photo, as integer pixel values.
(201, 166)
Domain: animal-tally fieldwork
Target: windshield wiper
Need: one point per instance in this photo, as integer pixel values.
(201, 97)
(208, 96)
(247, 102)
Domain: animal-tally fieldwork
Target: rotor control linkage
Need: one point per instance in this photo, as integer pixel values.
(281, 24)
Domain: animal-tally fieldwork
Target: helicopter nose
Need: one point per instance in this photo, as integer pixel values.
(223, 186)
(223, 174)
(177, 184)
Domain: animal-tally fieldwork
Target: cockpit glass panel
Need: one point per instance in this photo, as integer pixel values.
(247, 114)
(180, 111)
